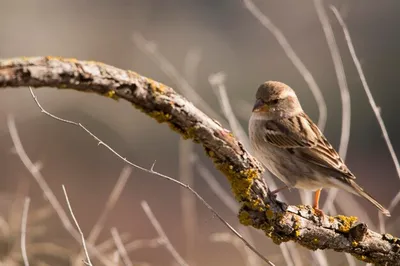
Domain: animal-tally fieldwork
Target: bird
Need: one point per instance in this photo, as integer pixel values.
(291, 146)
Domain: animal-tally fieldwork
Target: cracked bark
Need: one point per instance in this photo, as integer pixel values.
(279, 221)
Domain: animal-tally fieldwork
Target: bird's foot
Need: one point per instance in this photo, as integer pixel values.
(318, 212)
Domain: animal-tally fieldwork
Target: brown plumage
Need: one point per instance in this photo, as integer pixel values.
(293, 148)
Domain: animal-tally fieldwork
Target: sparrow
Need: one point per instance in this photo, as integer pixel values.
(292, 147)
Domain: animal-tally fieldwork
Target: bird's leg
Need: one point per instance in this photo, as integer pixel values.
(316, 203)
(278, 189)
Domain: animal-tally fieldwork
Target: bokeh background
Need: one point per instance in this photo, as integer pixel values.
(197, 38)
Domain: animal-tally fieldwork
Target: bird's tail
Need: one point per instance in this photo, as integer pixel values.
(361, 192)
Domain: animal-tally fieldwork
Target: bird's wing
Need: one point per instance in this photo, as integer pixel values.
(300, 136)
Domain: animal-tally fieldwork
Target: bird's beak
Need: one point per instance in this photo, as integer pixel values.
(260, 106)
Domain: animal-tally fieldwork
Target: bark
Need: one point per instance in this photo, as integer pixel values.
(258, 209)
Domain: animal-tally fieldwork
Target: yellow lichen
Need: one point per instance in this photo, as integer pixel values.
(362, 257)
(161, 117)
(354, 243)
(244, 218)
(156, 86)
(296, 224)
(211, 153)
(111, 94)
(269, 213)
(346, 222)
(62, 59)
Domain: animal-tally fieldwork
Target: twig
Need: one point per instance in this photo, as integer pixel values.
(344, 90)
(217, 81)
(111, 201)
(320, 257)
(162, 234)
(120, 247)
(116, 258)
(190, 66)
(23, 230)
(371, 100)
(151, 50)
(46, 189)
(109, 244)
(214, 185)
(234, 241)
(346, 103)
(188, 201)
(88, 262)
(151, 171)
(143, 243)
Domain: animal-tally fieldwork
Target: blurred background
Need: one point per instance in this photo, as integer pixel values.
(195, 39)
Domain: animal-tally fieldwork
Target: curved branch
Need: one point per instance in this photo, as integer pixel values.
(258, 208)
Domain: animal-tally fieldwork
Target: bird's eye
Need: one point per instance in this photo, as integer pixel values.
(274, 101)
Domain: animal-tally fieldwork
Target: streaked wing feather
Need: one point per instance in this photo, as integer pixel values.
(301, 135)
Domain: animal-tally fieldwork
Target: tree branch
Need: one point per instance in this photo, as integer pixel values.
(258, 208)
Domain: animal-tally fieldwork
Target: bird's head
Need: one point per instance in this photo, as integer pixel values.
(276, 100)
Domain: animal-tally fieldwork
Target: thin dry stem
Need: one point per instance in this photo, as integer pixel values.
(217, 81)
(143, 243)
(24, 223)
(111, 201)
(371, 100)
(215, 186)
(178, 258)
(228, 238)
(374, 106)
(46, 189)
(120, 247)
(188, 201)
(344, 91)
(88, 262)
(116, 258)
(150, 48)
(191, 64)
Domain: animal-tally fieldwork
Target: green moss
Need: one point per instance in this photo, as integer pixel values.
(346, 222)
